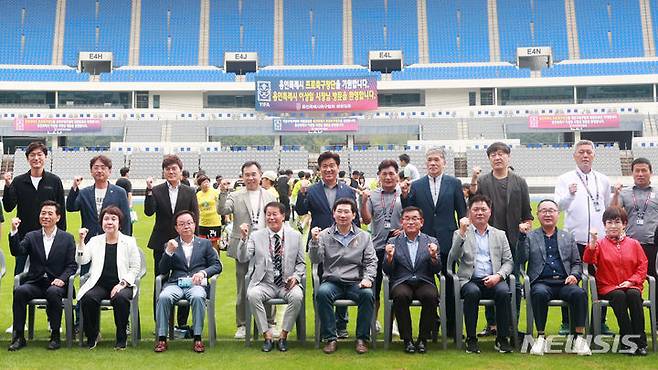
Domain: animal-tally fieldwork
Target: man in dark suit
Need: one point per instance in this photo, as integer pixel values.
(165, 200)
(91, 200)
(412, 260)
(52, 262)
(510, 205)
(440, 198)
(554, 269)
(27, 191)
(188, 261)
(318, 200)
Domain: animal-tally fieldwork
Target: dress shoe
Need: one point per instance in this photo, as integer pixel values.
(282, 345)
(120, 344)
(361, 347)
(421, 346)
(198, 346)
(17, 344)
(472, 345)
(409, 346)
(330, 347)
(267, 345)
(342, 334)
(642, 351)
(160, 346)
(55, 342)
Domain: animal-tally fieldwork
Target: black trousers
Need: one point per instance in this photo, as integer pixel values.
(627, 306)
(41, 289)
(183, 312)
(90, 304)
(473, 291)
(542, 291)
(402, 296)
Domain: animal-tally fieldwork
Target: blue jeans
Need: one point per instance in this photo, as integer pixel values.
(171, 294)
(329, 292)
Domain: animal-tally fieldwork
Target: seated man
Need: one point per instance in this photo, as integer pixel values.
(485, 261)
(278, 266)
(52, 262)
(350, 267)
(554, 268)
(189, 261)
(412, 260)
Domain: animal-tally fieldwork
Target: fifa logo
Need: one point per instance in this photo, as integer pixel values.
(264, 90)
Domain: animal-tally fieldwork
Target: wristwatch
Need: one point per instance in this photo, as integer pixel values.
(123, 283)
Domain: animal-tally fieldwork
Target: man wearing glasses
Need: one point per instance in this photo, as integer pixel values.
(554, 269)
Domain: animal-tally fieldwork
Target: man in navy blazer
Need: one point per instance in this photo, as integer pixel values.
(441, 199)
(412, 260)
(91, 200)
(319, 201)
(188, 261)
(52, 262)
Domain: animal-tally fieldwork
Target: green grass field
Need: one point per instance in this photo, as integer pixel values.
(232, 354)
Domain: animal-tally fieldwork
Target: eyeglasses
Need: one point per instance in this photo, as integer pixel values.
(411, 219)
(188, 223)
(547, 211)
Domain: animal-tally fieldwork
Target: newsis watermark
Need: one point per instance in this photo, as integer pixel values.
(598, 344)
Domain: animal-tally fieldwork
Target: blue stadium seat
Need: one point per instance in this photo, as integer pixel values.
(313, 32)
(105, 30)
(176, 43)
(457, 31)
(256, 18)
(31, 23)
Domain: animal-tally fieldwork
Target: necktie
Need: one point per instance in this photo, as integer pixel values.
(278, 266)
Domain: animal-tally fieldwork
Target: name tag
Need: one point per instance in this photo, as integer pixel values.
(639, 221)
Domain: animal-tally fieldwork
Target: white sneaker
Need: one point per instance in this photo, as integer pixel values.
(395, 330)
(378, 327)
(539, 346)
(240, 333)
(580, 347)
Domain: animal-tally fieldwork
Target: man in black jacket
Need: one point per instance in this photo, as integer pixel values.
(29, 190)
(52, 262)
(510, 207)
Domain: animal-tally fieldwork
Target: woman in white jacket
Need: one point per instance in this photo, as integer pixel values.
(115, 264)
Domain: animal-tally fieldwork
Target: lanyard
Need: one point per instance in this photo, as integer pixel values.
(596, 183)
(283, 242)
(256, 217)
(388, 210)
(644, 209)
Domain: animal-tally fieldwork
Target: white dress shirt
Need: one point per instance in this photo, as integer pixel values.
(581, 214)
(48, 240)
(173, 195)
(435, 187)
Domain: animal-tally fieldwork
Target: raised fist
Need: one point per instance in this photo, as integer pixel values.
(617, 188)
(304, 185)
(244, 230)
(476, 171)
(433, 248)
(7, 176)
(76, 181)
(524, 227)
(149, 183)
(464, 223)
(404, 187)
(172, 245)
(15, 222)
(390, 250)
(315, 233)
(82, 233)
(573, 188)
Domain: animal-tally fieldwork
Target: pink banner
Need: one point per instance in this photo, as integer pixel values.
(57, 125)
(316, 125)
(574, 121)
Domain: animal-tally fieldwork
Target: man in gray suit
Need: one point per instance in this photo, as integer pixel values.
(189, 261)
(246, 205)
(278, 266)
(554, 268)
(485, 261)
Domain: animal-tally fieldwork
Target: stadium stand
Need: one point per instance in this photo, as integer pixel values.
(65, 74)
(145, 164)
(485, 129)
(143, 131)
(293, 157)
(609, 29)
(306, 39)
(460, 72)
(246, 28)
(191, 131)
(207, 74)
(567, 69)
(102, 25)
(440, 130)
(28, 31)
(384, 25)
(70, 162)
(523, 23)
(190, 161)
(457, 31)
(170, 32)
